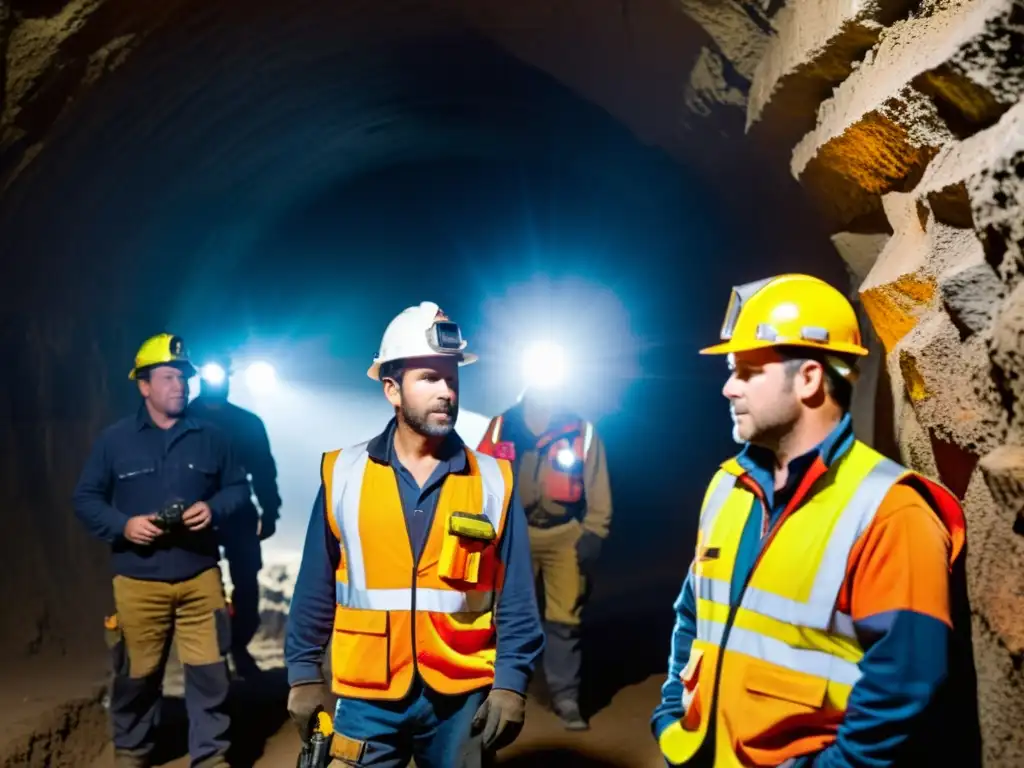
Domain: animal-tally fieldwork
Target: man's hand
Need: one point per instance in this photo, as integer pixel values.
(304, 699)
(267, 527)
(198, 516)
(500, 717)
(588, 549)
(141, 530)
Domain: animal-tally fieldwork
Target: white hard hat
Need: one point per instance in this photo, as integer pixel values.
(421, 331)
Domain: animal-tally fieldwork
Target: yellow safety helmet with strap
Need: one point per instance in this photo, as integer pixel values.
(791, 311)
(162, 349)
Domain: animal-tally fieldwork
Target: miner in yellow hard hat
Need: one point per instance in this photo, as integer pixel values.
(789, 310)
(162, 349)
(156, 486)
(814, 626)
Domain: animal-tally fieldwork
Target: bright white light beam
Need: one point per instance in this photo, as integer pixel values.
(213, 373)
(544, 365)
(260, 377)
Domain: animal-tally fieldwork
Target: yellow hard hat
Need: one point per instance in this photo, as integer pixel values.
(791, 311)
(162, 349)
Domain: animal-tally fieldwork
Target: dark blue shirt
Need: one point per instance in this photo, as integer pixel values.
(137, 468)
(311, 616)
(251, 448)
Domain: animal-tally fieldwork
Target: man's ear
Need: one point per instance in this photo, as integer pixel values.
(143, 387)
(810, 381)
(393, 392)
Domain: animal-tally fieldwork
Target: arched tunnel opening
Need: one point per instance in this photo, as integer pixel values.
(277, 182)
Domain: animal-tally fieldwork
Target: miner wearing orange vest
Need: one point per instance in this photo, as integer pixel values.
(562, 476)
(814, 625)
(416, 574)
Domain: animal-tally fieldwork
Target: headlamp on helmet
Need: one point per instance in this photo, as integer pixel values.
(445, 337)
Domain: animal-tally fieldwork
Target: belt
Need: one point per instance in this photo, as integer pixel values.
(551, 522)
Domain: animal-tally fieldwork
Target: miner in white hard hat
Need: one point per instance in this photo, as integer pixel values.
(416, 574)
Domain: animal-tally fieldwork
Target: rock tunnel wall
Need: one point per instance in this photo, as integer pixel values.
(907, 126)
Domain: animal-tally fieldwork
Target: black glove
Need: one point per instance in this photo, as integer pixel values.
(588, 549)
(501, 717)
(304, 699)
(268, 527)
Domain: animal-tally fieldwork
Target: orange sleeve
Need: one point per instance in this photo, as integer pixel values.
(901, 562)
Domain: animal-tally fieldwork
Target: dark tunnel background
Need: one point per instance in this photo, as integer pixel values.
(315, 197)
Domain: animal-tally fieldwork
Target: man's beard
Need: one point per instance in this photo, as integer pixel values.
(420, 422)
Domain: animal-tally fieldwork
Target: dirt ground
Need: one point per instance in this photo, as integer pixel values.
(619, 738)
(52, 712)
(619, 735)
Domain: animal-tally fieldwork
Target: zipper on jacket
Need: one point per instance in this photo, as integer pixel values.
(412, 620)
(727, 630)
(734, 607)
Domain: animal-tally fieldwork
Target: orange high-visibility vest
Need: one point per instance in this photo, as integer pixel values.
(563, 453)
(395, 617)
(776, 671)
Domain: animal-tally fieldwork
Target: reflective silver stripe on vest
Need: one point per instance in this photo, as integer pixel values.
(768, 649)
(588, 438)
(432, 600)
(716, 500)
(496, 432)
(346, 486)
(717, 591)
(494, 488)
(819, 610)
(713, 590)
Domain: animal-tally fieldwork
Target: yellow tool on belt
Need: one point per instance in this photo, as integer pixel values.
(316, 753)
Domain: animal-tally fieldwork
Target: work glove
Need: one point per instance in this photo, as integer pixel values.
(304, 699)
(268, 527)
(500, 718)
(588, 549)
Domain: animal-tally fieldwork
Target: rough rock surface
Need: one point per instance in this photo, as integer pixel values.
(917, 157)
(814, 49)
(919, 88)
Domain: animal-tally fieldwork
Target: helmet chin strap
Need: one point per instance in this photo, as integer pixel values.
(844, 369)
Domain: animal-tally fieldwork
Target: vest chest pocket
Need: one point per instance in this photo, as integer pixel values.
(359, 652)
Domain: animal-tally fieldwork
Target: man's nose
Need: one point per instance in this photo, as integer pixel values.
(731, 388)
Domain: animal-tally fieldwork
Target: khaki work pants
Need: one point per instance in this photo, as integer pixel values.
(149, 615)
(554, 562)
(564, 589)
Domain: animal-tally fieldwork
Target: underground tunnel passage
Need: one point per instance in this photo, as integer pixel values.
(280, 181)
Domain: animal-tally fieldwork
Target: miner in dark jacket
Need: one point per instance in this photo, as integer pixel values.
(155, 487)
(241, 539)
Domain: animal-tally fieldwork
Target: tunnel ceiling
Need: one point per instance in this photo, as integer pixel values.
(129, 126)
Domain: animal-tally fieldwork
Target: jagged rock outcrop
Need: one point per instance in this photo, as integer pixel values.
(912, 144)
